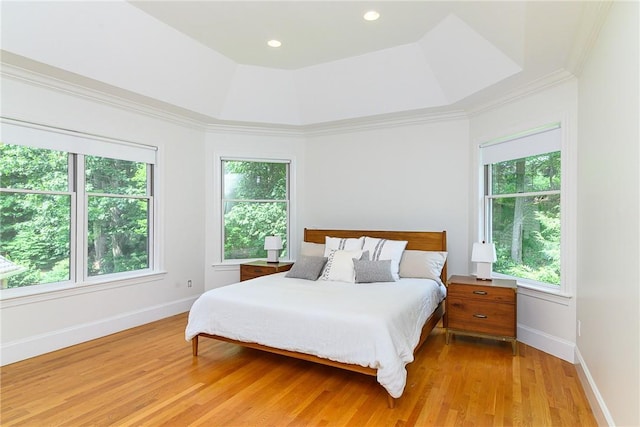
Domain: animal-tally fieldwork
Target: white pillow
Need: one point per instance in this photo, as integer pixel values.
(422, 264)
(339, 243)
(380, 249)
(311, 249)
(339, 266)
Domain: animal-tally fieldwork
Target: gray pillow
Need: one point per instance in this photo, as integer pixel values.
(373, 271)
(307, 267)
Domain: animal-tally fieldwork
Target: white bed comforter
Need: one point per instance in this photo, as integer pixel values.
(377, 325)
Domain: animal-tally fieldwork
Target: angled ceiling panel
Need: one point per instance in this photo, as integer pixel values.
(386, 81)
(463, 61)
(117, 44)
(263, 95)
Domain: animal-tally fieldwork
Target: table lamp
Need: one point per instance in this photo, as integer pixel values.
(273, 246)
(484, 254)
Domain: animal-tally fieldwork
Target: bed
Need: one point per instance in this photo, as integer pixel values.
(347, 325)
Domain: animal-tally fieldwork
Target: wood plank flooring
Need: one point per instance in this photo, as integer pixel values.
(146, 376)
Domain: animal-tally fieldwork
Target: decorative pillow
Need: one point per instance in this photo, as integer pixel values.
(380, 249)
(340, 266)
(307, 267)
(372, 271)
(422, 264)
(338, 244)
(312, 249)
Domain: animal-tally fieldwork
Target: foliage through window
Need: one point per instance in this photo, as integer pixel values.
(48, 197)
(255, 204)
(118, 215)
(523, 210)
(35, 215)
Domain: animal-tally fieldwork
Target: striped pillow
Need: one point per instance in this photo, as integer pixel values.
(380, 249)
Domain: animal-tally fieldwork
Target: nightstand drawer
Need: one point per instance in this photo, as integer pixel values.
(483, 317)
(495, 294)
(255, 269)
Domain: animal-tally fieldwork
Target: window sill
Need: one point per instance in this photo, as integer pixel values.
(32, 294)
(543, 293)
(540, 291)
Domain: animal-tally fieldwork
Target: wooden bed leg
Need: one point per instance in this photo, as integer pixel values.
(194, 345)
(391, 401)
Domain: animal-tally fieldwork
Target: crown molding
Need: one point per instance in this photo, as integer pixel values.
(251, 128)
(52, 78)
(594, 15)
(385, 121)
(101, 93)
(550, 80)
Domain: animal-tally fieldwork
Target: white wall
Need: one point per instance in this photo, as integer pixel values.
(545, 321)
(400, 177)
(608, 223)
(38, 324)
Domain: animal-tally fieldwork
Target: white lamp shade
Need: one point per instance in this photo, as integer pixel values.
(273, 243)
(483, 252)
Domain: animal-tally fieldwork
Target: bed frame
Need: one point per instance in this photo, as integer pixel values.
(417, 240)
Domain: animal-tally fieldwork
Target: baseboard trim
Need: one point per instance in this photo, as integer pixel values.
(598, 407)
(26, 348)
(542, 341)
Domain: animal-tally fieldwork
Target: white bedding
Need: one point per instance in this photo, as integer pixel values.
(377, 325)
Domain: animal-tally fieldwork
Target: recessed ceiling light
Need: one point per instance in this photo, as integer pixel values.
(274, 43)
(372, 15)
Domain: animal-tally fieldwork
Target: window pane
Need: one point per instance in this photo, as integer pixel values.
(246, 224)
(113, 176)
(254, 180)
(29, 168)
(118, 235)
(34, 239)
(530, 174)
(526, 232)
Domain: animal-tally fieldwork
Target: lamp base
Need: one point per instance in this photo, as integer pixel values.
(484, 271)
(272, 256)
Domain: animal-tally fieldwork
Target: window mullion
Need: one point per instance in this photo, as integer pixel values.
(80, 224)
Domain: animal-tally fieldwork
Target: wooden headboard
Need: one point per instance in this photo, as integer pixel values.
(417, 240)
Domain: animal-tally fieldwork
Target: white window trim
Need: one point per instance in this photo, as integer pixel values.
(75, 286)
(217, 250)
(568, 206)
(49, 291)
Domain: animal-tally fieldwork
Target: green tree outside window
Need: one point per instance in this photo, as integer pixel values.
(255, 205)
(524, 207)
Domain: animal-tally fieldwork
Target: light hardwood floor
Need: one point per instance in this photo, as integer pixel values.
(146, 376)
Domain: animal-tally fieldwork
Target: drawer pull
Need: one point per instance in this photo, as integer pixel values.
(480, 292)
(480, 316)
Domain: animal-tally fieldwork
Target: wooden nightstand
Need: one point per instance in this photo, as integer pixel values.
(482, 308)
(251, 270)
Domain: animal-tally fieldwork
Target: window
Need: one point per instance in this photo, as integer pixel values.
(118, 206)
(68, 215)
(522, 205)
(255, 204)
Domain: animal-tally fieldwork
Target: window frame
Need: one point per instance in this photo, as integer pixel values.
(221, 202)
(489, 196)
(564, 121)
(79, 279)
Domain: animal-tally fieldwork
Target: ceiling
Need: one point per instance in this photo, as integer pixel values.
(467, 53)
(210, 59)
(315, 32)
